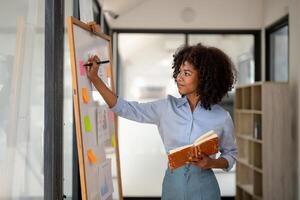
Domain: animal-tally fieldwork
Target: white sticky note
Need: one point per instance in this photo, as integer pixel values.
(106, 185)
(103, 124)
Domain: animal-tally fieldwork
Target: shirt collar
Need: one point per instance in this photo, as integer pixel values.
(181, 101)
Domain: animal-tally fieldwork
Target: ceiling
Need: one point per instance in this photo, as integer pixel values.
(187, 14)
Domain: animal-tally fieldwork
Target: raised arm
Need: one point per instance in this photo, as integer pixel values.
(141, 112)
(92, 73)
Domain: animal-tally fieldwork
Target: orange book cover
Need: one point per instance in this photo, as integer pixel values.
(207, 143)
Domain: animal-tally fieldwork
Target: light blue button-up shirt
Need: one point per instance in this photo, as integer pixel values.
(179, 126)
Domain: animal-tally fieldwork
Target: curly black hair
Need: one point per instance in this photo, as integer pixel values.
(216, 72)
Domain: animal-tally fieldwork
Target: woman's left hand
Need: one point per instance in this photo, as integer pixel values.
(203, 161)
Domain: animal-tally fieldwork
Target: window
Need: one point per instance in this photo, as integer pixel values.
(277, 45)
(22, 71)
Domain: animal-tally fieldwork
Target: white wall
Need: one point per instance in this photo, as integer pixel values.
(169, 14)
(294, 24)
(274, 10)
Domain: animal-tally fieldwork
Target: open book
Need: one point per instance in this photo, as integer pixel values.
(207, 143)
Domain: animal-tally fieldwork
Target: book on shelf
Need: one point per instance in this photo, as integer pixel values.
(207, 143)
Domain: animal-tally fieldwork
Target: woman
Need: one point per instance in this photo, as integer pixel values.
(204, 75)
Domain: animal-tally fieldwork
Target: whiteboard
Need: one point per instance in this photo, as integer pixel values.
(96, 134)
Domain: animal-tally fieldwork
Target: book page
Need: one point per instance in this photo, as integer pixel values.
(179, 148)
(207, 136)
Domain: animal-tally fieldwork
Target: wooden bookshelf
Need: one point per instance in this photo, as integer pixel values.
(265, 143)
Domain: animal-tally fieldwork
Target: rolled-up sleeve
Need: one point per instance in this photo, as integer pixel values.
(228, 147)
(149, 112)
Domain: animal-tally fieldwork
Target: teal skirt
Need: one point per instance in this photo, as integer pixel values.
(190, 183)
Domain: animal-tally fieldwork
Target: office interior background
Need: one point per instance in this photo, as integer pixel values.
(37, 145)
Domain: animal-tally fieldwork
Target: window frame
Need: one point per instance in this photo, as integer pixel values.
(53, 113)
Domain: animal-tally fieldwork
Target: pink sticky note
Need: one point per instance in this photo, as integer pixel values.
(82, 68)
(111, 116)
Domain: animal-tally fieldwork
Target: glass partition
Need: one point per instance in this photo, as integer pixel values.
(145, 74)
(22, 99)
(68, 110)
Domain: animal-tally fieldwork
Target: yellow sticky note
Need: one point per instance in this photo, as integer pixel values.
(108, 71)
(87, 124)
(91, 156)
(85, 96)
(113, 141)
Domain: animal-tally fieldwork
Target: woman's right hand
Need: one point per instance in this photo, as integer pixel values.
(92, 71)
